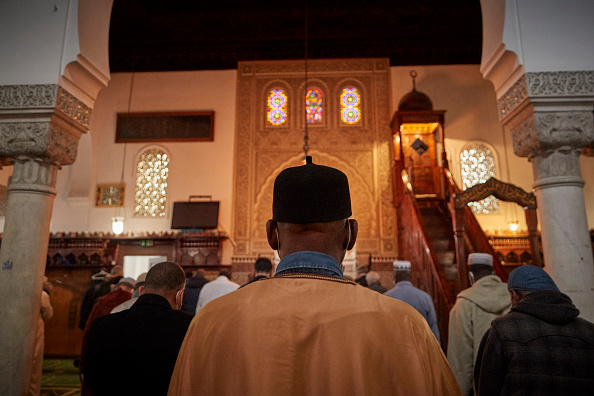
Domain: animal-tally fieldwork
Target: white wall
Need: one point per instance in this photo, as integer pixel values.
(550, 35)
(36, 34)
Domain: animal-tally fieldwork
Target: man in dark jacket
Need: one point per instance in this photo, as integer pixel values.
(540, 347)
(139, 345)
(193, 286)
(262, 270)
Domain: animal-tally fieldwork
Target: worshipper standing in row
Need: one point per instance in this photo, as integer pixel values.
(101, 284)
(108, 302)
(373, 282)
(417, 298)
(133, 352)
(471, 316)
(362, 271)
(193, 287)
(215, 289)
(262, 270)
(46, 311)
(127, 304)
(540, 347)
(307, 330)
(103, 307)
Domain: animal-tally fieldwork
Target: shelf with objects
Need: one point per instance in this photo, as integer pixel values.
(74, 259)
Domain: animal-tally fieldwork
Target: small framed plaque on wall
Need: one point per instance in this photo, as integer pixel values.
(110, 195)
(165, 127)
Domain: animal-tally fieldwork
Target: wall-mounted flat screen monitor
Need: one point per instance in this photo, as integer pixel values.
(195, 215)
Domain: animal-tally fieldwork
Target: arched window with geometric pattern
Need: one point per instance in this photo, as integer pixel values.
(478, 165)
(150, 194)
(313, 106)
(276, 113)
(350, 106)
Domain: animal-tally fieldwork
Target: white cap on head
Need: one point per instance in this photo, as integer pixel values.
(480, 258)
(401, 265)
(129, 281)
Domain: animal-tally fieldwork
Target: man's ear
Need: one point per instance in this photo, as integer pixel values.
(351, 234)
(271, 234)
(141, 290)
(515, 296)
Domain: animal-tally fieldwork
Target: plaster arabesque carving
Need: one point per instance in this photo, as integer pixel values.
(542, 131)
(262, 151)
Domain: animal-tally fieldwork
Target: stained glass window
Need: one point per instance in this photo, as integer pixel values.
(152, 171)
(313, 106)
(350, 106)
(277, 107)
(478, 165)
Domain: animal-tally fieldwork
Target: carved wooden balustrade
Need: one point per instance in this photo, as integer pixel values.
(414, 245)
(468, 233)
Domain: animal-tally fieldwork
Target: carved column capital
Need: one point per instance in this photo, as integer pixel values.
(539, 132)
(48, 140)
(41, 121)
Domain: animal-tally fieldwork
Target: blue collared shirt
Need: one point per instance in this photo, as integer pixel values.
(310, 263)
(419, 300)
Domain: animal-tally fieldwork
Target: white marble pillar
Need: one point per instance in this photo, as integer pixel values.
(549, 116)
(564, 229)
(39, 131)
(31, 195)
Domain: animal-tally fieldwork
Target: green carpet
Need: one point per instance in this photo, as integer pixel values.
(60, 378)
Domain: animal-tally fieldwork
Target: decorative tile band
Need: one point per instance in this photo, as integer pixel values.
(574, 83)
(546, 84)
(44, 96)
(512, 98)
(72, 107)
(27, 96)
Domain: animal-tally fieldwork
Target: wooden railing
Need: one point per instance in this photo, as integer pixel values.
(470, 237)
(414, 245)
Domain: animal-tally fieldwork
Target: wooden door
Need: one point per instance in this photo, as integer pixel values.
(420, 160)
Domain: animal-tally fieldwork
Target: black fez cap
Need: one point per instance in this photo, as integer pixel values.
(311, 194)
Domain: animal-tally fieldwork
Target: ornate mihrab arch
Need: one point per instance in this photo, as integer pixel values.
(363, 151)
(362, 199)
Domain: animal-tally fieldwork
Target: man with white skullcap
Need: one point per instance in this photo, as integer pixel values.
(417, 298)
(471, 316)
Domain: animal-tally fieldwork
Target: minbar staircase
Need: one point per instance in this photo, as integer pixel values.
(439, 227)
(436, 235)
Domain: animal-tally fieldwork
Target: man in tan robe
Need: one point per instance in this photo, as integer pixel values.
(307, 330)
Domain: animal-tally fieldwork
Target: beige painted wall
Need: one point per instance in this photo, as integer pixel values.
(206, 168)
(196, 168)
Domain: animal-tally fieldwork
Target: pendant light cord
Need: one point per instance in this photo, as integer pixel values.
(306, 136)
(125, 144)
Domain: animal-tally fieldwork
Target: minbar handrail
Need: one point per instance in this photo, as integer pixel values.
(469, 236)
(414, 245)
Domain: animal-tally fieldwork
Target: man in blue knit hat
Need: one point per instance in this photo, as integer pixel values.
(541, 347)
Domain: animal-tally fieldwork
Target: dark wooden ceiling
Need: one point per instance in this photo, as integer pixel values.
(174, 35)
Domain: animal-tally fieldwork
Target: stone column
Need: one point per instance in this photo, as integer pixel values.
(40, 126)
(549, 115)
